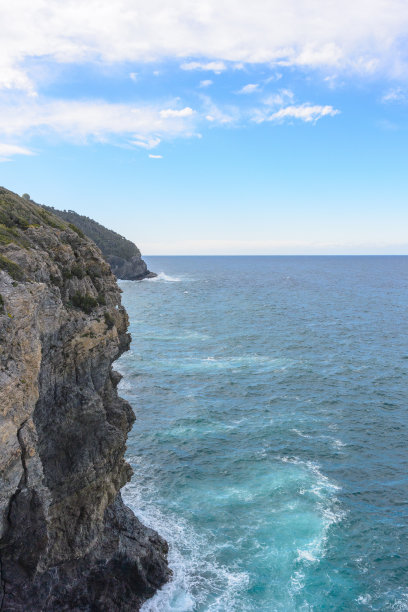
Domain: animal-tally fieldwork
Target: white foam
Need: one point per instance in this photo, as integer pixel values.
(299, 433)
(196, 575)
(297, 582)
(325, 507)
(231, 363)
(124, 386)
(364, 599)
(306, 555)
(162, 277)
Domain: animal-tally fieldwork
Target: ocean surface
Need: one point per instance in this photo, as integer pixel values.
(271, 441)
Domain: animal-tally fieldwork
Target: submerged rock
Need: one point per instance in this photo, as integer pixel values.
(67, 541)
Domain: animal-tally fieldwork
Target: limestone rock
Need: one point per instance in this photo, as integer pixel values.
(67, 541)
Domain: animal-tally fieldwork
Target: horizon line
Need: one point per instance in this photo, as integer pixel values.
(276, 255)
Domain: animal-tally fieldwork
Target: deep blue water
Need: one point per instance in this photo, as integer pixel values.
(270, 447)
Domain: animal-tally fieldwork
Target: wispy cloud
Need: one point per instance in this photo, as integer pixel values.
(304, 112)
(80, 122)
(7, 151)
(137, 126)
(145, 142)
(395, 95)
(206, 83)
(184, 112)
(220, 115)
(155, 156)
(248, 89)
(280, 106)
(279, 98)
(216, 67)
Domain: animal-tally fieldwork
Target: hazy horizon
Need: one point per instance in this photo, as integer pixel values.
(278, 255)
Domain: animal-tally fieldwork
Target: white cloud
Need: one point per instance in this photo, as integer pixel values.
(304, 112)
(169, 112)
(144, 127)
(222, 116)
(206, 83)
(394, 95)
(7, 151)
(99, 121)
(12, 77)
(155, 156)
(133, 76)
(248, 89)
(146, 142)
(363, 36)
(283, 96)
(216, 67)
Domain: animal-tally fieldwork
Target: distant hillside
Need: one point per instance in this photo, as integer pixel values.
(123, 255)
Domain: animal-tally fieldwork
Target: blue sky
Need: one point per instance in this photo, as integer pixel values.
(215, 128)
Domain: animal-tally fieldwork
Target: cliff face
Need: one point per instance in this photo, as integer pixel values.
(67, 541)
(123, 255)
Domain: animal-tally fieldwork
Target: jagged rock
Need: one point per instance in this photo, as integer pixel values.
(67, 541)
(134, 269)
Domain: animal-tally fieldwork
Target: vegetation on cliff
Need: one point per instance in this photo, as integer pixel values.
(122, 255)
(107, 240)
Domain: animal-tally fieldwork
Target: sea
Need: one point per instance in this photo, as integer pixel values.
(271, 442)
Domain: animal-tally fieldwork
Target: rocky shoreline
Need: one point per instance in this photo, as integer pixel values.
(67, 541)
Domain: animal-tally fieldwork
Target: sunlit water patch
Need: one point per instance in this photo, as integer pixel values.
(270, 441)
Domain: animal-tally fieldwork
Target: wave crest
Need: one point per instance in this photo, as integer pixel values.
(162, 277)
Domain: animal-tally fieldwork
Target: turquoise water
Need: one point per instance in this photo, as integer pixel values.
(270, 447)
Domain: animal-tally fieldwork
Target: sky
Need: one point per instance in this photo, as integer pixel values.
(216, 127)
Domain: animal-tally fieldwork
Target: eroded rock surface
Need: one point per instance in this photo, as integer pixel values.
(133, 269)
(67, 541)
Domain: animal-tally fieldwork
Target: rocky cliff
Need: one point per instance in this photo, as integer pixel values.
(122, 255)
(67, 541)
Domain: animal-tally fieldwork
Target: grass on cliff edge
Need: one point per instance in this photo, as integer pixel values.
(17, 215)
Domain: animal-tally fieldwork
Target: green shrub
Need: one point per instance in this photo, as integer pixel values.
(109, 320)
(76, 230)
(85, 302)
(78, 271)
(10, 234)
(94, 271)
(55, 280)
(50, 220)
(11, 268)
(66, 273)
